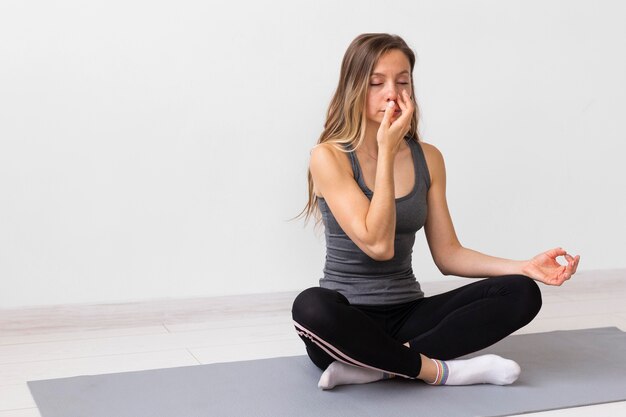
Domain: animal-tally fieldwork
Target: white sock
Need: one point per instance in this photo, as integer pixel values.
(485, 369)
(339, 373)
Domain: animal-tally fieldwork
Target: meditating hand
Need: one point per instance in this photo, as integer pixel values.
(545, 268)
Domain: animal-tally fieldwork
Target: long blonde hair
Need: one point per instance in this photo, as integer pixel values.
(345, 119)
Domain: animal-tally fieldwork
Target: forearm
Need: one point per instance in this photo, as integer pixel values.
(464, 262)
(381, 216)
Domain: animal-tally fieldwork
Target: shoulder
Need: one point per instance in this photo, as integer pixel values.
(324, 152)
(328, 162)
(328, 155)
(431, 151)
(434, 160)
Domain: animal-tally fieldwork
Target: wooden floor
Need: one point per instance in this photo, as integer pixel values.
(43, 343)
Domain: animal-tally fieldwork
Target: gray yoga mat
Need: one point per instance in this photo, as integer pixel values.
(559, 369)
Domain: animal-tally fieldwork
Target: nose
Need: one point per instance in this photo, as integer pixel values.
(393, 93)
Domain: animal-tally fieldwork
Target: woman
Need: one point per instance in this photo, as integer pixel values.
(375, 184)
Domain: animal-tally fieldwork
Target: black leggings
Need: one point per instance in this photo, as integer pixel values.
(444, 326)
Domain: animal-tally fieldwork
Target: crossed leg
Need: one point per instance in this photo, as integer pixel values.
(445, 326)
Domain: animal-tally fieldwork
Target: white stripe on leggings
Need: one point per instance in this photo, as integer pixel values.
(335, 353)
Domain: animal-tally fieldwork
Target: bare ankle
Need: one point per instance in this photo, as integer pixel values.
(428, 373)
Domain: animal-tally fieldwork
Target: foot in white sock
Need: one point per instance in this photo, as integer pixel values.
(485, 369)
(339, 373)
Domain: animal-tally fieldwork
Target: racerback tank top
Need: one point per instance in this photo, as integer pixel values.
(361, 279)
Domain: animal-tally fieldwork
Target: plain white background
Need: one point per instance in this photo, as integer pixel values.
(158, 149)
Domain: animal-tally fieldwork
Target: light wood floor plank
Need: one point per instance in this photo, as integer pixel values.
(291, 346)
(26, 412)
(85, 348)
(15, 396)
(49, 336)
(20, 373)
(231, 322)
(57, 319)
(578, 308)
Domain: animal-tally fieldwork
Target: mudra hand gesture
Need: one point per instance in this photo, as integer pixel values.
(544, 267)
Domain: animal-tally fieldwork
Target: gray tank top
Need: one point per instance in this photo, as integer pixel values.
(361, 279)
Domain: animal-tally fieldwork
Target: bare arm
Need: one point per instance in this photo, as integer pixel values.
(453, 259)
(369, 224)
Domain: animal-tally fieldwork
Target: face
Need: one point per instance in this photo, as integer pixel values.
(391, 75)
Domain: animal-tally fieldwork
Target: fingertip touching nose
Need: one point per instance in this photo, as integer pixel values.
(392, 95)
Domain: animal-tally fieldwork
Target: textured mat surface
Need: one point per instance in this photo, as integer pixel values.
(559, 369)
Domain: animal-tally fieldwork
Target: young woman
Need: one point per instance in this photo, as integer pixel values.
(375, 184)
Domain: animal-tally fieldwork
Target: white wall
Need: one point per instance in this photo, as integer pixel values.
(157, 149)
